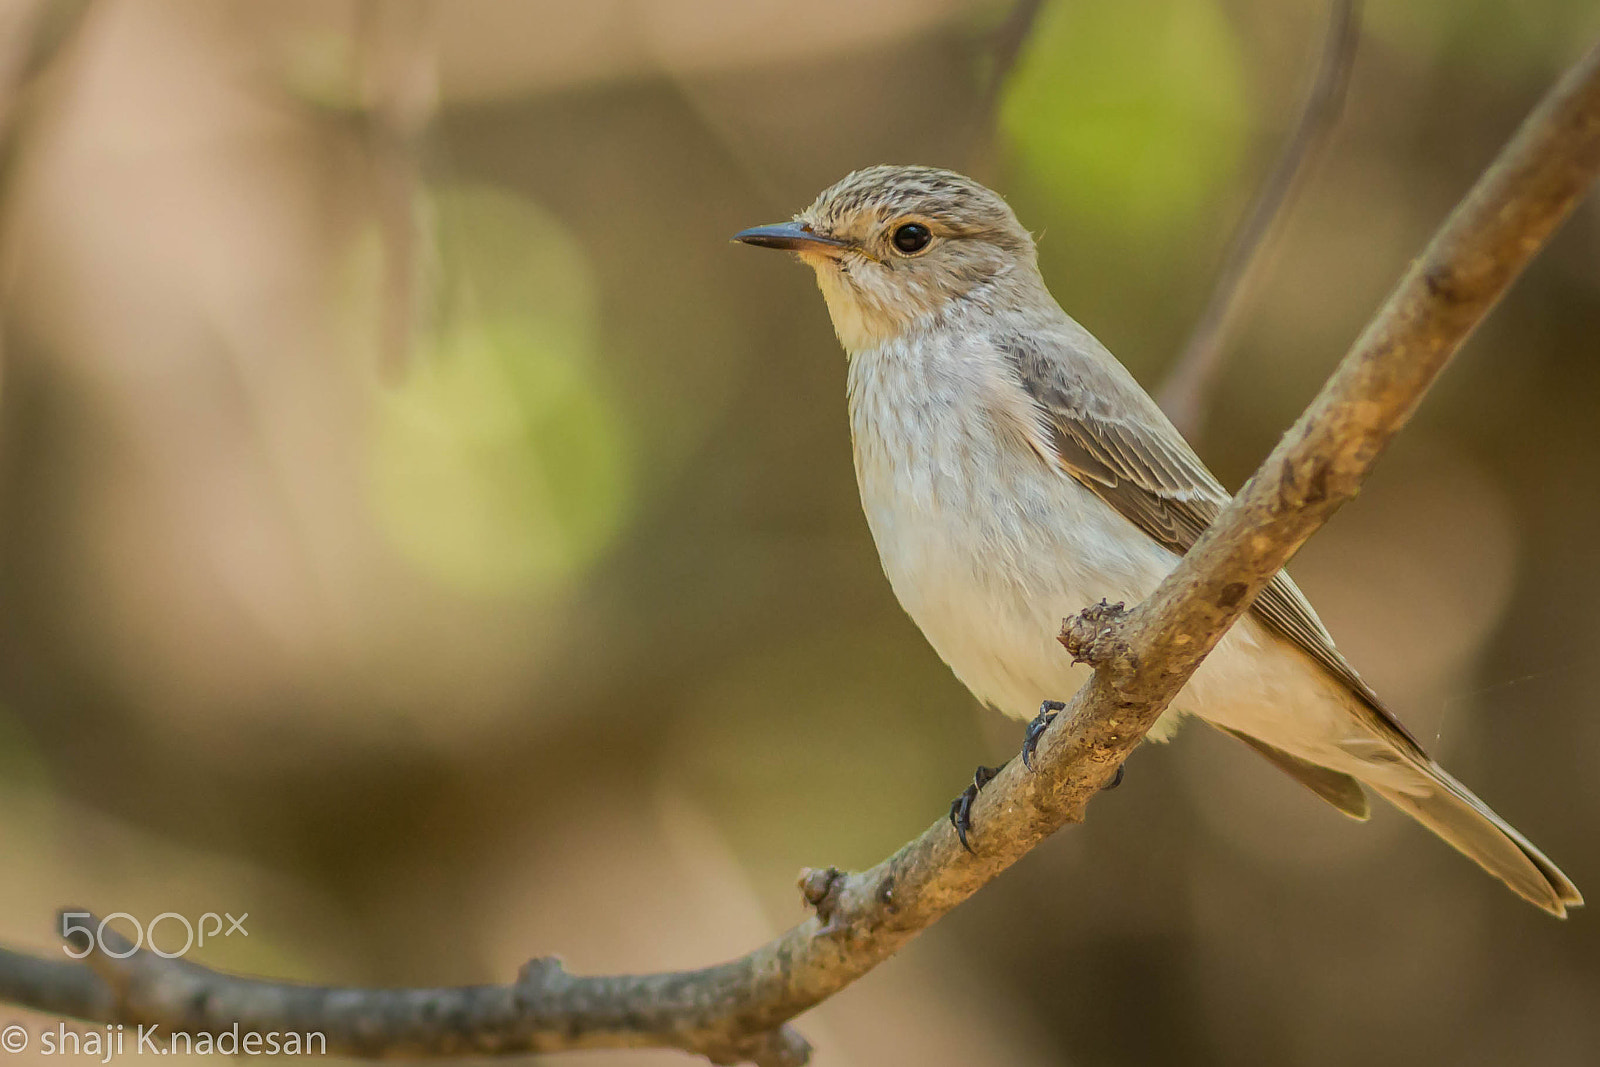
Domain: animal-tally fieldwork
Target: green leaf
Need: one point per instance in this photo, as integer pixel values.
(499, 466)
(1132, 114)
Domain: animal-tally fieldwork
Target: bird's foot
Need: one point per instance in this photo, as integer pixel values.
(1036, 729)
(961, 806)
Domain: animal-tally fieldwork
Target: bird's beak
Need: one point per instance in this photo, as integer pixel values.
(790, 236)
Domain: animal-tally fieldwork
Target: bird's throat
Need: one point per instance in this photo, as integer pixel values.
(859, 324)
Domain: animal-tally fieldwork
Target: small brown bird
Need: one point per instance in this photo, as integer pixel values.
(1012, 472)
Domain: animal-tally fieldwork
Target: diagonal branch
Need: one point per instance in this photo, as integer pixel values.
(1004, 50)
(738, 1011)
(402, 83)
(46, 33)
(1185, 394)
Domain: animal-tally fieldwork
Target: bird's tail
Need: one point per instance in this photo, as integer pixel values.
(1448, 808)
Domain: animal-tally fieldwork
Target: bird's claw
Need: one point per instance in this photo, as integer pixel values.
(1036, 729)
(961, 806)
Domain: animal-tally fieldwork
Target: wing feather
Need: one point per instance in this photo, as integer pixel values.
(1110, 436)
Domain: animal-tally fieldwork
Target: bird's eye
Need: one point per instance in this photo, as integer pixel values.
(911, 238)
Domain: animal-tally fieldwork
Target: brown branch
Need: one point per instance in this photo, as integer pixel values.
(48, 30)
(46, 34)
(1005, 48)
(1184, 396)
(739, 1010)
(392, 103)
(401, 86)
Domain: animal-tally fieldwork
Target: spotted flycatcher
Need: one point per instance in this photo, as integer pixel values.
(1012, 472)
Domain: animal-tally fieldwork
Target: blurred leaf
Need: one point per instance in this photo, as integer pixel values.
(1132, 113)
(320, 68)
(499, 464)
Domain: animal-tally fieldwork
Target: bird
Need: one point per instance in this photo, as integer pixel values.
(1012, 471)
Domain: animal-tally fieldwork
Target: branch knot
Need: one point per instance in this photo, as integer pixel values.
(540, 976)
(1094, 636)
(820, 886)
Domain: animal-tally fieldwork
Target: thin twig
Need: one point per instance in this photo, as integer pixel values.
(50, 28)
(403, 96)
(1185, 395)
(738, 1011)
(47, 31)
(1005, 49)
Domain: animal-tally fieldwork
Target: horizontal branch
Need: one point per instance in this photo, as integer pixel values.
(738, 1010)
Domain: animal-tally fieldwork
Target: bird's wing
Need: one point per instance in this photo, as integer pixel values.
(1108, 434)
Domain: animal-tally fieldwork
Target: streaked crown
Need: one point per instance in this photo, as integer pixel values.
(954, 205)
(897, 248)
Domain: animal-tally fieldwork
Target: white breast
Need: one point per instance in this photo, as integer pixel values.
(987, 547)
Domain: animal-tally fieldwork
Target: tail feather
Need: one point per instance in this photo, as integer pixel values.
(1449, 809)
(1340, 790)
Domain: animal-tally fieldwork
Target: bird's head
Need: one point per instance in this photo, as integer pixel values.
(893, 246)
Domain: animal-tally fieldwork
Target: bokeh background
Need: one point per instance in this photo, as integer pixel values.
(421, 530)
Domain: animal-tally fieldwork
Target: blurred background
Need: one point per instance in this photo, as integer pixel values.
(421, 530)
